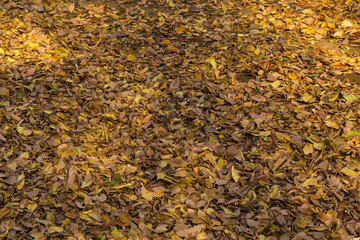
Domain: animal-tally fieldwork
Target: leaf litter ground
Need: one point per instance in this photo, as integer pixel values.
(179, 119)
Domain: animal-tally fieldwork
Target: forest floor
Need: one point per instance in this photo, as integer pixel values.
(170, 119)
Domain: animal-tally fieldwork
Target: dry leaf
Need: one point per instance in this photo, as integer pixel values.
(175, 83)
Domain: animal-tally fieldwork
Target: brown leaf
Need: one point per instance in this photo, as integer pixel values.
(175, 83)
(71, 176)
(252, 223)
(177, 162)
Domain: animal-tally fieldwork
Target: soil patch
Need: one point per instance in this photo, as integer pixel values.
(354, 49)
(353, 77)
(331, 47)
(335, 48)
(245, 78)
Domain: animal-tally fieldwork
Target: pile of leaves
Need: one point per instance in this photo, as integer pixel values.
(173, 119)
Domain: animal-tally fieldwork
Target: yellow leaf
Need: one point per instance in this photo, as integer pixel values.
(160, 229)
(20, 130)
(339, 33)
(146, 194)
(32, 206)
(131, 58)
(202, 235)
(275, 193)
(24, 156)
(21, 184)
(55, 229)
(276, 84)
(180, 30)
(221, 162)
(66, 222)
(318, 146)
(306, 97)
(85, 217)
(33, 46)
(310, 182)
(257, 51)
(349, 172)
(331, 124)
(11, 60)
(199, 155)
(123, 185)
(331, 25)
(346, 24)
(12, 166)
(235, 174)
(251, 48)
(115, 233)
(4, 92)
(283, 137)
(2, 51)
(308, 11)
(292, 76)
(333, 96)
(308, 149)
(212, 61)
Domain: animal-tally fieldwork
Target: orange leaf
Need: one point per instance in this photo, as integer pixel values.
(180, 30)
(147, 118)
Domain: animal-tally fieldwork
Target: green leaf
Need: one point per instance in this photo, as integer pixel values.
(109, 184)
(352, 132)
(20, 94)
(86, 184)
(310, 140)
(115, 233)
(348, 115)
(350, 97)
(78, 151)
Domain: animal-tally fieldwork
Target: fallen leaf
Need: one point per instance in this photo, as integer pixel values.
(332, 124)
(212, 61)
(275, 192)
(177, 162)
(308, 149)
(235, 174)
(146, 194)
(349, 172)
(175, 83)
